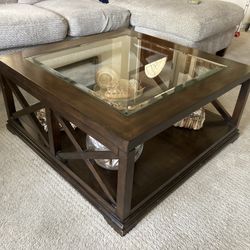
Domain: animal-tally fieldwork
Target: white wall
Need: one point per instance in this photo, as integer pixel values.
(242, 3)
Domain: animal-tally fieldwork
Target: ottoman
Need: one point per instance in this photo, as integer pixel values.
(208, 26)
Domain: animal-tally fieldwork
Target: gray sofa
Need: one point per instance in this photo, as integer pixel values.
(208, 26)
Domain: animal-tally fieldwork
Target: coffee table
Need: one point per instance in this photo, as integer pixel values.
(124, 90)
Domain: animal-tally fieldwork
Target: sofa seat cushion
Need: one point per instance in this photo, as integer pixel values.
(25, 25)
(86, 17)
(178, 17)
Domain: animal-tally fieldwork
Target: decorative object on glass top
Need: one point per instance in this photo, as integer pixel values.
(153, 69)
(117, 92)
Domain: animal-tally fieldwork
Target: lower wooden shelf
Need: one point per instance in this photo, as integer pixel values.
(172, 152)
(164, 157)
(167, 159)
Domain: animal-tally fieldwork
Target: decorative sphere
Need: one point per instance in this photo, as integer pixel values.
(110, 164)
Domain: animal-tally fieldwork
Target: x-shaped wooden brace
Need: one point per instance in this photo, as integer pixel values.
(239, 107)
(27, 109)
(85, 155)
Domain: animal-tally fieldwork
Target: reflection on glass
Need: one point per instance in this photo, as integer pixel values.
(126, 72)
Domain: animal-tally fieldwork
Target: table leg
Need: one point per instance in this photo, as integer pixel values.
(53, 132)
(125, 183)
(8, 98)
(241, 102)
(247, 27)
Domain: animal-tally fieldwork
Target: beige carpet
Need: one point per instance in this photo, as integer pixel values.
(211, 210)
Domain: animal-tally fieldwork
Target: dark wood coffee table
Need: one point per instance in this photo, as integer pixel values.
(79, 85)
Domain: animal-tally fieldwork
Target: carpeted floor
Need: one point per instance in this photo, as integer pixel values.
(211, 210)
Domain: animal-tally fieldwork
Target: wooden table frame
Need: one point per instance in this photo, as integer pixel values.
(120, 196)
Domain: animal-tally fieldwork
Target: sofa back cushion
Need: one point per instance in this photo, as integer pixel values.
(87, 17)
(25, 25)
(8, 1)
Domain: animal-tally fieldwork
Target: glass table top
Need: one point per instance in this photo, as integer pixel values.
(126, 72)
